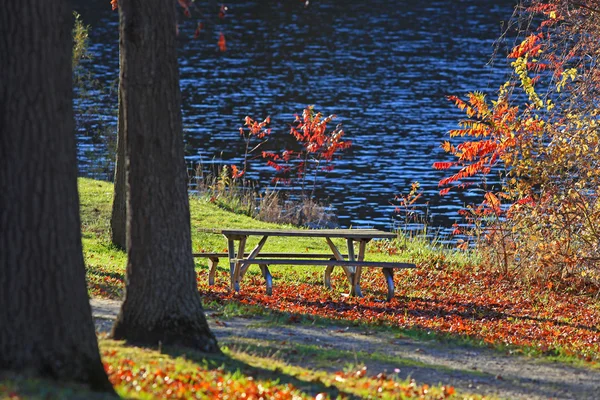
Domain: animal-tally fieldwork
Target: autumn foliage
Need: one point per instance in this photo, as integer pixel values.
(436, 298)
(315, 151)
(541, 136)
(165, 378)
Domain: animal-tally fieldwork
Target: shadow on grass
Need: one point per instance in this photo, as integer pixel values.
(231, 365)
(414, 307)
(93, 270)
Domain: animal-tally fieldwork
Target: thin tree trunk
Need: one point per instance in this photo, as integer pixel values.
(162, 303)
(46, 326)
(118, 218)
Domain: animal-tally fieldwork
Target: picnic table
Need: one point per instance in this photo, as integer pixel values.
(352, 263)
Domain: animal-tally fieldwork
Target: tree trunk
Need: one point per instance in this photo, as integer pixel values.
(162, 303)
(46, 326)
(118, 218)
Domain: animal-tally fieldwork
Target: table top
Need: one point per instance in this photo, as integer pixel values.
(331, 233)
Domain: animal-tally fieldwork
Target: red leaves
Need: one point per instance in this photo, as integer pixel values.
(496, 124)
(236, 173)
(222, 43)
(529, 46)
(318, 148)
(443, 165)
(199, 29)
(255, 128)
(114, 4)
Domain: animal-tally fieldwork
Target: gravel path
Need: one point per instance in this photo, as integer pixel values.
(470, 369)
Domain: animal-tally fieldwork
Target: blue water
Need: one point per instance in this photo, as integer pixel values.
(383, 67)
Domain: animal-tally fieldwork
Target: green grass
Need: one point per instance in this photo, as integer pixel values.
(106, 264)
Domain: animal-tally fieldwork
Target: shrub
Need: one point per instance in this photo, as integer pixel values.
(542, 132)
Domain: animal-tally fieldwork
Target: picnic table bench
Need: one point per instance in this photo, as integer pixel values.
(351, 263)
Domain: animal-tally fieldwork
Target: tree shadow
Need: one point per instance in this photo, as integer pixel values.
(441, 309)
(97, 271)
(476, 312)
(232, 365)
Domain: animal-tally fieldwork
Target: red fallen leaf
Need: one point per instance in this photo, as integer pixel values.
(488, 291)
(222, 42)
(198, 30)
(448, 390)
(220, 323)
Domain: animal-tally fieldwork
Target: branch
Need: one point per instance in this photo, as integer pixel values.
(586, 7)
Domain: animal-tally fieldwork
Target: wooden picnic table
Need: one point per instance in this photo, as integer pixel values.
(352, 264)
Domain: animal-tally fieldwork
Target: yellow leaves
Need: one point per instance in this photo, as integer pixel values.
(568, 73)
(492, 201)
(471, 128)
(480, 108)
(520, 67)
(448, 147)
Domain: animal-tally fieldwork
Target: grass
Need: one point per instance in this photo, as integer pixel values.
(140, 373)
(106, 263)
(449, 298)
(242, 197)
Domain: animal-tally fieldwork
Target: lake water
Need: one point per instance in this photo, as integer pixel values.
(383, 67)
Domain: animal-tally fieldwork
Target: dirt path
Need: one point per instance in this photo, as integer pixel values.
(467, 368)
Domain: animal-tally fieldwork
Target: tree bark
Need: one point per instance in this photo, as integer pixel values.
(46, 327)
(118, 218)
(162, 303)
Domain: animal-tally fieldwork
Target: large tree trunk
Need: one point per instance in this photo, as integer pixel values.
(162, 303)
(46, 326)
(118, 218)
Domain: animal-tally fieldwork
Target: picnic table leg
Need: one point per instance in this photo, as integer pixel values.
(338, 256)
(253, 255)
(231, 253)
(327, 277)
(358, 270)
(238, 265)
(212, 265)
(389, 278)
(264, 268)
(355, 274)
